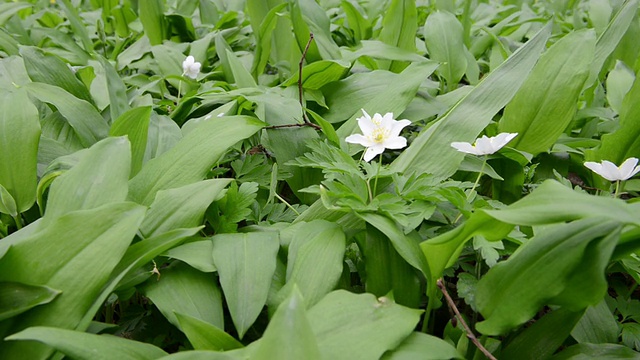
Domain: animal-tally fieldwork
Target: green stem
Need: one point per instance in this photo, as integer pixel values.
(286, 203)
(615, 195)
(428, 310)
(17, 221)
(375, 183)
(179, 91)
(475, 184)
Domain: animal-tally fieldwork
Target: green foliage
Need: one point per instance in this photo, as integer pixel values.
(225, 215)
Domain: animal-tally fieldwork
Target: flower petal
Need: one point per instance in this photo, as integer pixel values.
(627, 168)
(464, 147)
(397, 127)
(358, 139)
(610, 171)
(366, 124)
(372, 152)
(396, 142)
(599, 169)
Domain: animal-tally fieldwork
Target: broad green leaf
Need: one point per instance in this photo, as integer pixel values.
(192, 157)
(245, 263)
(136, 256)
(597, 326)
(198, 254)
(301, 31)
(619, 81)
(241, 75)
(264, 32)
(319, 73)
(356, 22)
(81, 115)
(319, 25)
(545, 104)
(134, 123)
(359, 326)
(99, 178)
(544, 337)
(399, 25)
(393, 97)
(443, 35)
(205, 336)
(7, 10)
(155, 25)
(631, 334)
(77, 24)
(49, 69)
(118, 101)
(386, 271)
(187, 291)
(202, 355)
(181, 207)
(289, 334)
(8, 203)
(80, 345)
(625, 141)
(16, 298)
(315, 260)
(609, 39)
(379, 50)
(563, 265)
(163, 135)
(423, 346)
(19, 139)
(431, 151)
(405, 245)
(597, 351)
(87, 245)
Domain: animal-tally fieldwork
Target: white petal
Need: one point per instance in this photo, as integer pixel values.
(610, 171)
(378, 120)
(397, 127)
(502, 139)
(484, 146)
(464, 147)
(358, 139)
(598, 169)
(366, 125)
(627, 168)
(188, 62)
(372, 152)
(396, 142)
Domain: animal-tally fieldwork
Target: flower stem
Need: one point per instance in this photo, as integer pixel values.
(179, 90)
(286, 203)
(615, 195)
(484, 164)
(375, 183)
(18, 221)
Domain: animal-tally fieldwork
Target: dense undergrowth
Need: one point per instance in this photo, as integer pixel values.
(190, 177)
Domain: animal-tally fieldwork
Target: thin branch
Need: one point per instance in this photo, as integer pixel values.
(466, 327)
(304, 55)
(310, 124)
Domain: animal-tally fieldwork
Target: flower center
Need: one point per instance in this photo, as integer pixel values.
(379, 134)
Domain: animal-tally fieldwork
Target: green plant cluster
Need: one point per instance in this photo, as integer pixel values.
(155, 206)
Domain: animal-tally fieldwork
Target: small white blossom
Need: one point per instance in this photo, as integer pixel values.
(485, 145)
(191, 67)
(379, 133)
(611, 172)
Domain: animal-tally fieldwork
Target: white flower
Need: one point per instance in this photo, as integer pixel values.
(379, 133)
(191, 67)
(485, 145)
(611, 172)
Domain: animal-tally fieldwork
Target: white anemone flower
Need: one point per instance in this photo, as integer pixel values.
(611, 172)
(485, 145)
(379, 133)
(191, 67)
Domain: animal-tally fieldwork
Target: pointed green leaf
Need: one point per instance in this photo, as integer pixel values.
(241, 75)
(399, 26)
(99, 178)
(246, 263)
(289, 335)
(350, 326)
(192, 157)
(185, 290)
(597, 326)
(155, 25)
(547, 101)
(134, 124)
(443, 35)
(423, 346)
(181, 207)
(597, 351)
(80, 345)
(198, 254)
(118, 101)
(205, 336)
(81, 115)
(319, 73)
(19, 139)
(74, 254)
(16, 298)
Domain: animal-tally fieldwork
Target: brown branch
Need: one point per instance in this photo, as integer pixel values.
(315, 126)
(300, 96)
(466, 327)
